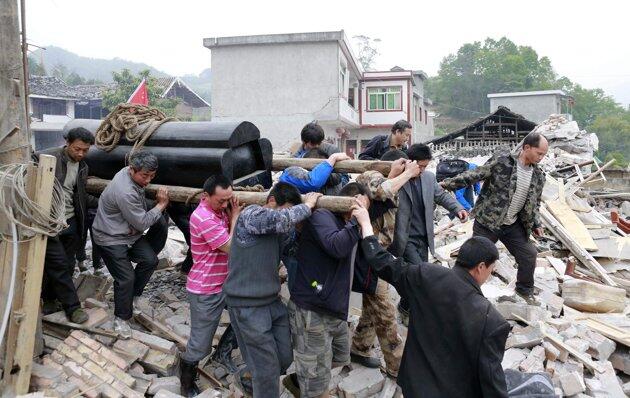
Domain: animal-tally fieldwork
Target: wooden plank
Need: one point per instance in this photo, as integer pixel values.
(563, 213)
(585, 359)
(608, 330)
(16, 307)
(33, 281)
(578, 251)
(338, 204)
(344, 166)
(157, 326)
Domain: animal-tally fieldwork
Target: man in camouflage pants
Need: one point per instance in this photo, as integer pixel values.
(508, 206)
(378, 318)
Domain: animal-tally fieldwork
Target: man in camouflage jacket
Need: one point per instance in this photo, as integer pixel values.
(378, 318)
(508, 206)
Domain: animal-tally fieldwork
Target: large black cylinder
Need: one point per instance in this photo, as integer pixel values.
(189, 152)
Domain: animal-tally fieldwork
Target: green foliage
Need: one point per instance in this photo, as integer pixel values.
(613, 132)
(126, 83)
(589, 103)
(35, 68)
(368, 51)
(464, 79)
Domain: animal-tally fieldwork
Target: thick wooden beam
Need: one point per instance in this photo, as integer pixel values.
(345, 166)
(578, 251)
(337, 204)
(25, 319)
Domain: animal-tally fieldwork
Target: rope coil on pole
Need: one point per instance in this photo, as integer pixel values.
(136, 122)
(17, 208)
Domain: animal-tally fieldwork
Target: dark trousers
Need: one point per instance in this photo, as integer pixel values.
(517, 242)
(59, 266)
(96, 255)
(416, 252)
(264, 339)
(130, 282)
(180, 214)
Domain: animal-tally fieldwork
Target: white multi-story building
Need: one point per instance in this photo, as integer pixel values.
(281, 82)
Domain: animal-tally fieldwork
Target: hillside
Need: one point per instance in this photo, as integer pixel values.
(101, 69)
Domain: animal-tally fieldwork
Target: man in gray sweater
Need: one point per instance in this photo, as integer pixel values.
(252, 287)
(118, 230)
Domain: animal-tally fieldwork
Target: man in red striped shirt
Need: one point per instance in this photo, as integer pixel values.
(211, 229)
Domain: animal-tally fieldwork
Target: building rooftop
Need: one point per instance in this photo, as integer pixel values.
(283, 38)
(528, 93)
(54, 87)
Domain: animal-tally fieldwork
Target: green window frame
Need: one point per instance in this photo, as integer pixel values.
(385, 98)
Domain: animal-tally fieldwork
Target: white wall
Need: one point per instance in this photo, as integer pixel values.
(278, 87)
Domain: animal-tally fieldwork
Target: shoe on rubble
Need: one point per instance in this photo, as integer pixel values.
(290, 382)
(368, 362)
(79, 316)
(81, 265)
(529, 298)
(122, 327)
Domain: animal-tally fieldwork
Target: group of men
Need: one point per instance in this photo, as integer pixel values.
(455, 340)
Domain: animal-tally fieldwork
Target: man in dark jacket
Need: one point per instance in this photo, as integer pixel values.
(320, 292)
(456, 338)
(376, 148)
(413, 233)
(507, 208)
(71, 172)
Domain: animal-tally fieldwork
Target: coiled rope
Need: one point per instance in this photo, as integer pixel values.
(135, 122)
(17, 208)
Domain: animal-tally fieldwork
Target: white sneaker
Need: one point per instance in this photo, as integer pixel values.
(122, 328)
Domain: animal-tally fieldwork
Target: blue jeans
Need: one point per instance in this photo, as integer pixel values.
(264, 339)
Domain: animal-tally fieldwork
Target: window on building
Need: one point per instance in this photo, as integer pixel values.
(425, 116)
(44, 106)
(342, 80)
(351, 97)
(384, 98)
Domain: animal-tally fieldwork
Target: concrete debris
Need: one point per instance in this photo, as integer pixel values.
(362, 383)
(572, 383)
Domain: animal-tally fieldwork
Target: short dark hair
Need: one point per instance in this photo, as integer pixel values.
(475, 250)
(143, 160)
(214, 181)
(312, 133)
(315, 153)
(284, 192)
(354, 189)
(400, 126)
(532, 139)
(80, 133)
(419, 152)
(394, 154)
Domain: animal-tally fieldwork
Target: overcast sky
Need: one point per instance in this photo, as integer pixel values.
(586, 41)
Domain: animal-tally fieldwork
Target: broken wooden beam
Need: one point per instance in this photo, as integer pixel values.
(344, 166)
(578, 251)
(156, 326)
(337, 204)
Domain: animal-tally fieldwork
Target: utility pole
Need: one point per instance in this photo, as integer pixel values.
(14, 135)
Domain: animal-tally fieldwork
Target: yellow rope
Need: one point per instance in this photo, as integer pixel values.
(136, 122)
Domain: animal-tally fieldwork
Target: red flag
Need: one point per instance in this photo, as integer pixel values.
(140, 95)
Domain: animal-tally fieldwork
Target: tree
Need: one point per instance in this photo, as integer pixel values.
(589, 103)
(466, 78)
(35, 68)
(613, 132)
(368, 50)
(60, 71)
(126, 83)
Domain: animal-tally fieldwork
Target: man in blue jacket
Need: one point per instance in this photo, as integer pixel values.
(466, 196)
(320, 292)
(320, 179)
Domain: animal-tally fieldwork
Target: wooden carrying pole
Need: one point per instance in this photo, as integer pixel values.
(337, 204)
(345, 166)
(20, 339)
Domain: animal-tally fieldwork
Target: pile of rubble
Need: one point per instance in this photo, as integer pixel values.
(568, 145)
